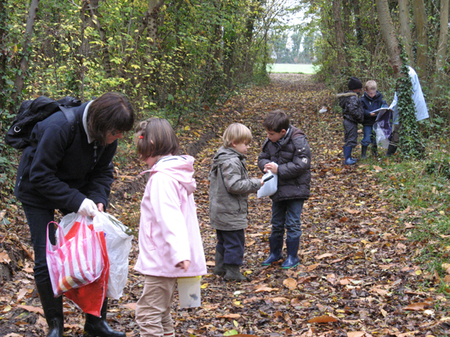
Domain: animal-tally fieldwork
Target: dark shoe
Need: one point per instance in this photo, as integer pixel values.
(218, 268)
(233, 273)
(348, 156)
(391, 150)
(363, 152)
(276, 246)
(292, 260)
(53, 309)
(98, 327)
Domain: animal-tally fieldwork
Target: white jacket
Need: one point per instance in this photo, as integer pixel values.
(169, 232)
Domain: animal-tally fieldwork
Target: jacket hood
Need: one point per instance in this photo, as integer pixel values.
(224, 154)
(180, 168)
(344, 96)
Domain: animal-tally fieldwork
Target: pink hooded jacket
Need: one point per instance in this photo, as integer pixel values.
(169, 232)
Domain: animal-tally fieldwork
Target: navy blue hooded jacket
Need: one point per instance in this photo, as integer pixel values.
(370, 104)
(64, 169)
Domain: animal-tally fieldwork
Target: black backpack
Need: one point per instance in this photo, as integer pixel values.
(33, 111)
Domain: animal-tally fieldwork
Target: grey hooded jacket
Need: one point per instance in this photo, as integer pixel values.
(229, 189)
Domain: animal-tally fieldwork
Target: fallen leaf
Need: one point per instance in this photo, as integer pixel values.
(290, 283)
(323, 319)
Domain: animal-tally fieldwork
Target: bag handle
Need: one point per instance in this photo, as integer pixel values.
(60, 238)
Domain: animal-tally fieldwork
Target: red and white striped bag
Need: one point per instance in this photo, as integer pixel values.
(76, 259)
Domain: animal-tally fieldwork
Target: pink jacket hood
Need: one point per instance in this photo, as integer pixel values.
(179, 168)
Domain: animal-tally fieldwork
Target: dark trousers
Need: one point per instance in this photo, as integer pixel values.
(350, 133)
(231, 245)
(286, 217)
(38, 219)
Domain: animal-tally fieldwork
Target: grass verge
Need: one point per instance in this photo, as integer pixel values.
(420, 190)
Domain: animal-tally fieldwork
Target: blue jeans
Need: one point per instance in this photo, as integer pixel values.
(38, 218)
(369, 136)
(286, 216)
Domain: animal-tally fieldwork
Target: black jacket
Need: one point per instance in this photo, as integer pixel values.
(293, 156)
(351, 105)
(63, 169)
(370, 104)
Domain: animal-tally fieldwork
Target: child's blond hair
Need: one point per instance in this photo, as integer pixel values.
(370, 85)
(236, 133)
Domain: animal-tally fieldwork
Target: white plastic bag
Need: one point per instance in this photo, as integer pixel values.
(118, 244)
(270, 185)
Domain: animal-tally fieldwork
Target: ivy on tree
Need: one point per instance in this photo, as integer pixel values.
(411, 142)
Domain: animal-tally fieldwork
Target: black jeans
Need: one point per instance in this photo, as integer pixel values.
(38, 219)
(231, 245)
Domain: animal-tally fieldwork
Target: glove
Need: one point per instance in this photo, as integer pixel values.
(88, 208)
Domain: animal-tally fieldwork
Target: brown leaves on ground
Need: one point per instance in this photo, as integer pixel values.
(357, 276)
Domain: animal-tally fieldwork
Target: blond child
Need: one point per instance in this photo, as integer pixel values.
(228, 194)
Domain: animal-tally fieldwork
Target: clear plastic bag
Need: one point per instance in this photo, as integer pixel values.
(118, 239)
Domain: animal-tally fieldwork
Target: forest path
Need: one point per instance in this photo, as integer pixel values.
(356, 275)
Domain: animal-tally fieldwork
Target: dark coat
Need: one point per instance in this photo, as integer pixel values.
(351, 105)
(64, 169)
(229, 189)
(370, 104)
(293, 156)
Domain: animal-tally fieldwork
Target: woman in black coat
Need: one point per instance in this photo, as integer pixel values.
(70, 168)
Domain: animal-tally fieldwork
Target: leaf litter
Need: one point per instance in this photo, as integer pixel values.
(356, 277)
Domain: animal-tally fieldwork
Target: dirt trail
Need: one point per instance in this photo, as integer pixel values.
(356, 275)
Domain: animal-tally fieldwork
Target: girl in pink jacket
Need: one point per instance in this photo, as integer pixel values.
(170, 245)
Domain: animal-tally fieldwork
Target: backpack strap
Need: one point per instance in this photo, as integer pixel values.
(70, 116)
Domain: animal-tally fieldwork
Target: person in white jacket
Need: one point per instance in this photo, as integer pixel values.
(420, 107)
(170, 245)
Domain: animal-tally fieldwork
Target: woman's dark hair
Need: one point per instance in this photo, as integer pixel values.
(155, 137)
(111, 112)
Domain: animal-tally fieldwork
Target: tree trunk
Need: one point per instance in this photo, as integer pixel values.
(389, 35)
(93, 9)
(405, 29)
(150, 21)
(441, 54)
(3, 54)
(339, 36)
(23, 67)
(420, 17)
(359, 31)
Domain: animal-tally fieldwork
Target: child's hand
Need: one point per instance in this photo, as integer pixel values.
(373, 114)
(262, 182)
(271, 167)
(184, 265)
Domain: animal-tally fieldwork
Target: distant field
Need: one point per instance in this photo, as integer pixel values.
(291, 68)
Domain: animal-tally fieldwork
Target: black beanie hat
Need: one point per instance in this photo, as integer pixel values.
(354, 83)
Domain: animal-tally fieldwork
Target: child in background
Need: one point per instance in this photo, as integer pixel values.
(371, 100)
(228, 205)
(170, 245)
(286, 153)
(353, 114)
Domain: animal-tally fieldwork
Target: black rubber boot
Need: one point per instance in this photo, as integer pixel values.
(98, 327)
(233, 273)
(292, 250)
(53, 309)
(363, 152)
(391, 150)
(218, 268)
(276, 246)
